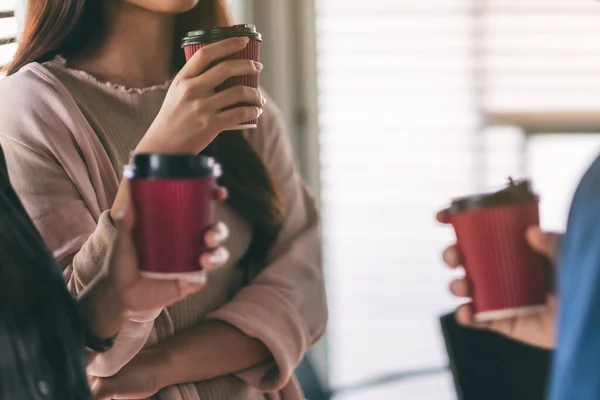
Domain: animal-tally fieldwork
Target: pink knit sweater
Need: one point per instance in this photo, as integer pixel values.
(66, 138)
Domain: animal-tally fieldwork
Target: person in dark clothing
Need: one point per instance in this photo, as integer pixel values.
(46, 336)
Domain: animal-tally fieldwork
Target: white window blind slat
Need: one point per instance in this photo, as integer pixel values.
(7, 5)
(8, 28)
(8, 31)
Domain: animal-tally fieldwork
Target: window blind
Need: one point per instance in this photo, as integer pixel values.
(397, 136)
(546, 51)
(8, 31)
(542, 57)
(405, 91)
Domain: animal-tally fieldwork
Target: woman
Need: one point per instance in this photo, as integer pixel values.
(93, 81)
(42, 331)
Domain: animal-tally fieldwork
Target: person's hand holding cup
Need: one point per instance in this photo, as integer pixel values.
(122, 291)
(197, 106)
(505, 255)
(196, 41)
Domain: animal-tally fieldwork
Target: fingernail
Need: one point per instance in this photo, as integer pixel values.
(260, 111)
(120, 216)
(219, 233)
(450, 255)
(446, 254)
(218, 256)
(263, 101)
(259, 67)
(244, 40)
(222, 232)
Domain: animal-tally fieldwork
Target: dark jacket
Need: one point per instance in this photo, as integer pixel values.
(41, 336)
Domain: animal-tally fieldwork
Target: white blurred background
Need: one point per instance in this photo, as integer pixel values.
(396, 106)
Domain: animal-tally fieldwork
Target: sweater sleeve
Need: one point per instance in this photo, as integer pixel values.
(49, 174)
(285, 304)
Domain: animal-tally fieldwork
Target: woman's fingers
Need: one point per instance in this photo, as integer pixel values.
(207, 55)
(452, 256)
(164, 292)
(216, 235)
(460, 288)
(214, 259)
(225, 70)
(236, 95)
(220, 194)
(466, 317)
(189, 286)
(443, 216)
(464, 314)
(235, 116)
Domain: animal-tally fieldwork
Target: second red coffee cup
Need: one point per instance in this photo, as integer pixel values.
(173, 200)
(196, 40)
(508, 278)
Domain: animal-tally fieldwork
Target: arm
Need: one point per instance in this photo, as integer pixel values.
(120, 290)
(577, 354)
(222, 348)
(30, 267)
(63, 193)
(70, 231)
(270, 324)
(101, 313)
(208, 351)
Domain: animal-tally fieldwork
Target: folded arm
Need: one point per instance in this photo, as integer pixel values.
(264, 332)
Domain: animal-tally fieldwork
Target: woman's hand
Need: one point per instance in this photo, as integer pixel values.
(192, 114)
(120, 291)
(139, 379)
(537, 329)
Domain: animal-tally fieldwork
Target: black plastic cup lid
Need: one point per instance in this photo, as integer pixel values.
(516, 192)
(220, 33)
(171, 166)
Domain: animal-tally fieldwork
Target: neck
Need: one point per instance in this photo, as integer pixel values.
(136, 50)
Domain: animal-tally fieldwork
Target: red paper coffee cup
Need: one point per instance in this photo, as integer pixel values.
(507, 277)
(195, 40)
(173, 200)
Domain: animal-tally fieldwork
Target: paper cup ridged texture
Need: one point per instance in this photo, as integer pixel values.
(172, 215)
(507, 276)
(171, 219)
(199, 39)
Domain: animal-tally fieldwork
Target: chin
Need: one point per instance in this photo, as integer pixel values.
(165, 6)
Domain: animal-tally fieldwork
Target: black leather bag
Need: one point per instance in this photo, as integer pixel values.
(487, 366)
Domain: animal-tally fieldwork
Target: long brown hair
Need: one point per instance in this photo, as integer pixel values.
(74, 27)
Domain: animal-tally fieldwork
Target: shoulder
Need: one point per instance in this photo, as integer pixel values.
(30, 104)
(30, 91)
(29, 86)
